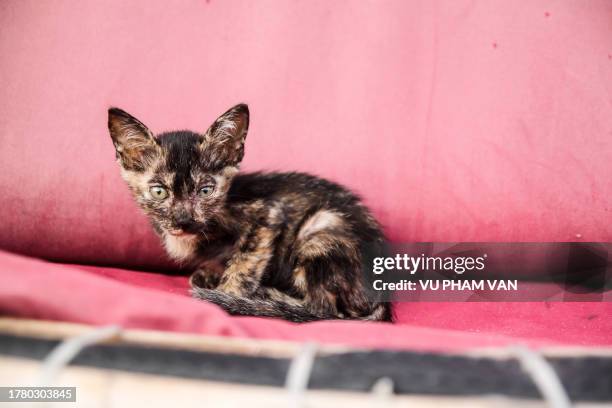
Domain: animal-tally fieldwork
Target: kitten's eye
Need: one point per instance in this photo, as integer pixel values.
(207, 190)
(158, 193)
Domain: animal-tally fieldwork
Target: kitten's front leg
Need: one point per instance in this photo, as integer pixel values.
(245, 268)
(207, 275)
(204, 279)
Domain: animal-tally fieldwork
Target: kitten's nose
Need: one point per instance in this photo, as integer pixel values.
(183, 221)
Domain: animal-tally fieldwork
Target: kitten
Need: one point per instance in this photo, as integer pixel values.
(285, 245)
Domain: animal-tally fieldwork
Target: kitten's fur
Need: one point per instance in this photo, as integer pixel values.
(286, 245)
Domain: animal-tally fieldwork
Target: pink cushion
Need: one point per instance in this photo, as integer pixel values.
(457, 121)
(36, 289)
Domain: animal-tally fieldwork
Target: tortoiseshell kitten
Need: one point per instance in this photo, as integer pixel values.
(285, 245)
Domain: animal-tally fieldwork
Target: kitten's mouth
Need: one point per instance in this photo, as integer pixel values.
(180, 233)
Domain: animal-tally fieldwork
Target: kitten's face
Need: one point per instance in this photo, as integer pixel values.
(180, 179)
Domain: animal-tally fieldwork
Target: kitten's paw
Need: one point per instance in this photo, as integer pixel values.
(204, 280)
(230, 290)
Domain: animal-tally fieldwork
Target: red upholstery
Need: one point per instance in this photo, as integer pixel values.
(37, 289)
(456, 120)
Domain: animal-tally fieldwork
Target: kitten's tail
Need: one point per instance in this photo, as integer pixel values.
(241, 306)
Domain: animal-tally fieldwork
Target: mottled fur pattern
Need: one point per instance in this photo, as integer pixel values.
(285, 245)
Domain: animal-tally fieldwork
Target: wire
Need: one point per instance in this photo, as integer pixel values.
(543, 375)
(61, 355)
(298, 374)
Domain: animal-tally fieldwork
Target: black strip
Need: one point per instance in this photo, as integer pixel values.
(584, 378)
(161, 361)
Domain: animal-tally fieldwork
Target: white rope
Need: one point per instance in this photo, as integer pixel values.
(61, 355)
(382, 392)
(544, 377)
(299, 374)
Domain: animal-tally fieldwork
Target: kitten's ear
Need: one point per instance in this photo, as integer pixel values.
(224, 140)
(134, 142)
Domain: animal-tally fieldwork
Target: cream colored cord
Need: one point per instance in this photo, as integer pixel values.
(299, 375)
(382, 392)
(543, 375)
(61, 355)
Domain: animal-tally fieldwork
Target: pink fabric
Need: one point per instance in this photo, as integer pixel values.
(36, 289)
(457, 120)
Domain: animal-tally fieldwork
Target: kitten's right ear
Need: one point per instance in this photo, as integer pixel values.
(134, 142)
(224, 139)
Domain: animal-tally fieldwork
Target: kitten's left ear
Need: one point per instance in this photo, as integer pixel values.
(134, 142)
(224, 140)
